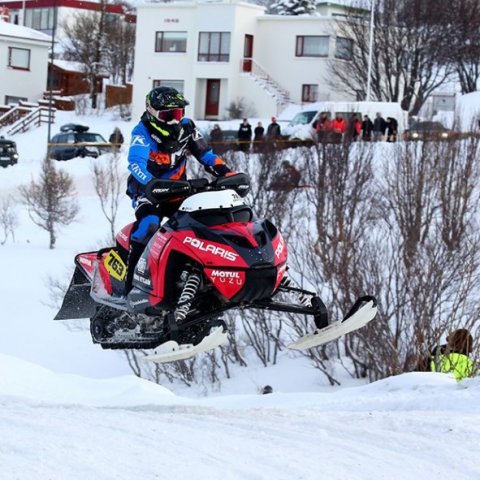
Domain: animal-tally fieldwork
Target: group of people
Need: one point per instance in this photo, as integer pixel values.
(356, 129)
(245, 136)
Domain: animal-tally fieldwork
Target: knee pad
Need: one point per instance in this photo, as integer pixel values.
(145, 228)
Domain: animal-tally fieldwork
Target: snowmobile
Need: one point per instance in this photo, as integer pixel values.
(211, 256)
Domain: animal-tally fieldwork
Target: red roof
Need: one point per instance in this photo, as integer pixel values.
(78, 4)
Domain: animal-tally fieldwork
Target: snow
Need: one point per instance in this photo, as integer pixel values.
(70, 410)
(10, 30)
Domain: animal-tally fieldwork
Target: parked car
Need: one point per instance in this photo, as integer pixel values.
(76, 141)
(427, 131)
(8, 152)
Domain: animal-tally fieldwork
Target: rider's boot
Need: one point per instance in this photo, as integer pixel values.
(134, 254)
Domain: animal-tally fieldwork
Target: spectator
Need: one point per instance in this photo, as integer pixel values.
(392, 129)
(116, 138)
(379, 128)
(216, 138)
(273, 130)
(244, 136)
(339, 126)
(258, 137)
(323, 127)
(367, 128)
(355, 127)
(454, 356)
(288, 179)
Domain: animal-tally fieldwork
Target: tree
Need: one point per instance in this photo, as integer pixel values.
(8, 219)
(408, 46)
(50, 201)
(119, 49)
(294, 7)
(109, 185)
(464, 42)
(101, 43)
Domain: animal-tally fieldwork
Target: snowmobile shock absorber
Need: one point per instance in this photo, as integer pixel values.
(303, 299)
(188, 293)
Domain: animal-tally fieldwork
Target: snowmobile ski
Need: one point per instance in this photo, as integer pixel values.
(171, 351)
(362, 312)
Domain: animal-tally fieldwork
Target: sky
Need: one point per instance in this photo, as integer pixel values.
(70, 410)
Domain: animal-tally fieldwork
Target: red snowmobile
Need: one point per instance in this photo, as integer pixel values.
(211, 256)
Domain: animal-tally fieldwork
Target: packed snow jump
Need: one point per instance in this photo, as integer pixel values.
(211, 256)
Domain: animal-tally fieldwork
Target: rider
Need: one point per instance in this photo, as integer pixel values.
(158, 149)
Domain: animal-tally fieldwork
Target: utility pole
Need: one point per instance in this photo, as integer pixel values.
(370, 50)
(50, 79)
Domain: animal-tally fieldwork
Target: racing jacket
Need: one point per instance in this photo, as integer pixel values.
(151, 156)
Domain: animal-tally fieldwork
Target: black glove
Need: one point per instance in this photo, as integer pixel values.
(240, 182)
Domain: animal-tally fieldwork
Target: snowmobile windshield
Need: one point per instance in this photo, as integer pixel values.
(214, 217)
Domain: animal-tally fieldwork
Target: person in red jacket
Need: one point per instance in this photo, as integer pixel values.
(339, 125)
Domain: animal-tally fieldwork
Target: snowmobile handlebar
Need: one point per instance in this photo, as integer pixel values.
(159, 190)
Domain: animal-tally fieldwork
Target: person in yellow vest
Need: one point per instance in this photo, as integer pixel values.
(454, 356)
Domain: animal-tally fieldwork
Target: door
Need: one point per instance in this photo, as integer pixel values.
(247, 53)
(213, 98)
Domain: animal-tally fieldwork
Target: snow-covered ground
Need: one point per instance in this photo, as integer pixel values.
(70, 410)
(413, 426)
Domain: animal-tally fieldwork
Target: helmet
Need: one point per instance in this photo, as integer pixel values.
(164, 109)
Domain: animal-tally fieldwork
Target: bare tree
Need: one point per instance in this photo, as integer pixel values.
(424, 264)
(8, 219)
(51, 201)
(109, 182)
(101, 43)
(119, 49)
(463, 53)
(408, 47)
(85, 43)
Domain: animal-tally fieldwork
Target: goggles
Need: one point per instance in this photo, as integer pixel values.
(172, 116)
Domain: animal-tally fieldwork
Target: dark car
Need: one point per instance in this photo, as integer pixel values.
(76, 141)
(229, 142)
(427, 131)
(8, 152)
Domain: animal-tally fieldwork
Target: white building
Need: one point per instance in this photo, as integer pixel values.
(23, 63)
(219, 52)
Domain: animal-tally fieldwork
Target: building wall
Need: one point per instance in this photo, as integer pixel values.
(29, 84)
(276, 53)
(238, 19)
(273, 49)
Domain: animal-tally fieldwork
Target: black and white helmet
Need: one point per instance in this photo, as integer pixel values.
(165, 107)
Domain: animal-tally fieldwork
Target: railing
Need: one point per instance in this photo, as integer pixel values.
(281, 95)
(36, 117)
(13, 115)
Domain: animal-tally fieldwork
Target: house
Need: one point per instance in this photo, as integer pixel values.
(69, 78)
(23, 63)
(47, 15)
(264, 61)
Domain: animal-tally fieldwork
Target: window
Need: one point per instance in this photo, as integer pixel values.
(344, 48)
(11, 100)
(309, 93)
(214, 47)
(40, 18)
(171, 42)
(176, 84)
(19, 58)
(312, 46)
